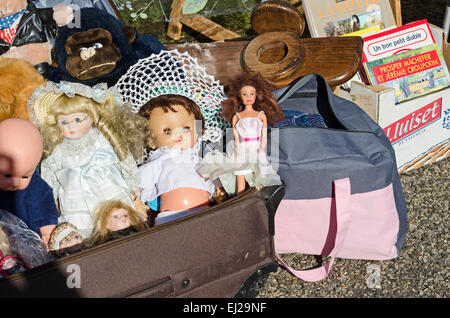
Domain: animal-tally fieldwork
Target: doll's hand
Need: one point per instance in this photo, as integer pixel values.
(138, 204)
(46, 231)
(261, 150)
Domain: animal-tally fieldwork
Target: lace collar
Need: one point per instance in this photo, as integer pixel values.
(81, 145)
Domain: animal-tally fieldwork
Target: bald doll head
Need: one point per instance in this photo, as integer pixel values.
(20, 152)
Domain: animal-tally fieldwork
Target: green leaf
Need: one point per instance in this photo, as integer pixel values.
(193, 6)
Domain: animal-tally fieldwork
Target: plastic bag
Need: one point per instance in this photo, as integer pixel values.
(20, 247)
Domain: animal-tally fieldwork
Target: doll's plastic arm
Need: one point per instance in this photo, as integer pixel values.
(139, 205)
(46, 231)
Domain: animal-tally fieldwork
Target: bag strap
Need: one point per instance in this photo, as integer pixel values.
(342, 190)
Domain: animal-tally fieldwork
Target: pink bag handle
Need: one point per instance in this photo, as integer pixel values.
(342, 190)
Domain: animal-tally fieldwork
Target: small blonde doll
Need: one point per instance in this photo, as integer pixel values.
(91, 144)
(114, 219)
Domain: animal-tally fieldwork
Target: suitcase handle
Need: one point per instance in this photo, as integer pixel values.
(342, 190)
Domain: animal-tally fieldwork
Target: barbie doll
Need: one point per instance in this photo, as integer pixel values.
(91, 144)
(250, 107)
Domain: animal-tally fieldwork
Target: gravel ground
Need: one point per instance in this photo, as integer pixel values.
(421, 270)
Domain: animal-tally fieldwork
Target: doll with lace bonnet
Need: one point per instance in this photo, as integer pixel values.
(169, 176)
(114, 219)
(91, 145)
(65, 239)
(182, 105)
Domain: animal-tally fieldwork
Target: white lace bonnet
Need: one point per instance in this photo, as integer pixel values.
(172, 72)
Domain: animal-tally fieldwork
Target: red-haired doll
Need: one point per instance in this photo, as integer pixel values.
(249, 108)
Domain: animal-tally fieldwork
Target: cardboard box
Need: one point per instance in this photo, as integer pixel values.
(419, 129)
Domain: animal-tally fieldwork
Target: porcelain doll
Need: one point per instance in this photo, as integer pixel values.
(249, 108)
(65, 239)
(169, 176)
(91, 144)
(114, 219)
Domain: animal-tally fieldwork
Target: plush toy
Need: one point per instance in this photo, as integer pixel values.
(20, 247)
(91, 145)
(22, 190)
(27, 32)
(114, 219)
(65, 239)
(19, 79)
(250, 107)
(98, 49)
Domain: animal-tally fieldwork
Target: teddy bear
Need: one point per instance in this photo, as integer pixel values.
(28, 32)
(99, 48)
(19, 80)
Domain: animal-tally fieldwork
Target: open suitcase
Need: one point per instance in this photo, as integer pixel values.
(218, 252)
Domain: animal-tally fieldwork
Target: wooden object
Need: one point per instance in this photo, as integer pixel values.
(208, 28)
(275, 55)
(336, 59)
(397, 10)
(196, 22)
(272, 16)
(175, 26)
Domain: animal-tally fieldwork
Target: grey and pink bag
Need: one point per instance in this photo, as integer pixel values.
(343, 193)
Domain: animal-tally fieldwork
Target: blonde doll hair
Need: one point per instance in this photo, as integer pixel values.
(127, 132)
(101, 233)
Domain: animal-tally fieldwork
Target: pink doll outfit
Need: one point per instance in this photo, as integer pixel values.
(245, 159)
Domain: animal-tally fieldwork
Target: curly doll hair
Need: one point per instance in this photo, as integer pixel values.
(265, 100)
(166, 102)
(101, 233)
(126, 131)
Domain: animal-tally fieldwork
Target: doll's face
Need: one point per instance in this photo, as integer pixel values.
(74, 126)
(118, 220)
(172, 129)
(248, 95)
(13, 179)
(72, 244)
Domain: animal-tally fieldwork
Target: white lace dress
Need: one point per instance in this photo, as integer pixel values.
(86, 172)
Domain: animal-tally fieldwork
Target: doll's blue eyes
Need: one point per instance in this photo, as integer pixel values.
(76, 120)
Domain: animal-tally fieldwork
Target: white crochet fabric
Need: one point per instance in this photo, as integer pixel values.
(172, 72)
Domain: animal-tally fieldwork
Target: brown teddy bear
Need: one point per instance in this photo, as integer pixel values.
(26, 31)
(19, 80)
